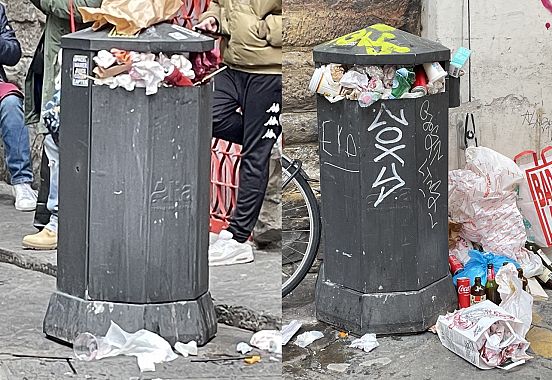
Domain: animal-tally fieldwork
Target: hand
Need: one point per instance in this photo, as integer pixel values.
(210, 24)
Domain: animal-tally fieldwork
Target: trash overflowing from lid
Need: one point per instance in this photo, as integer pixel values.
(130, 69)
(368, 84)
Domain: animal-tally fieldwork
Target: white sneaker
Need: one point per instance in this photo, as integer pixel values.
(25, 197)
(227, 251)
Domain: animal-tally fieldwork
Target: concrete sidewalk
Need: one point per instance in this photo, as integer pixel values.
(24, 298)
(413, 356)
(247, 296)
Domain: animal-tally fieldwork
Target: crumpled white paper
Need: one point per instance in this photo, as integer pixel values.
(367, 342)
(515, 300)
(289, 330)
(104, 59)
(243, 348)
(145, 68)
(355, 80)
(306, 338)
(148, 347)
(186, 349)
(268, 340)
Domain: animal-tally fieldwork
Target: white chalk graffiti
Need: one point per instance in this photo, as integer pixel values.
(388, 152)
(432, 145)
(335, 142)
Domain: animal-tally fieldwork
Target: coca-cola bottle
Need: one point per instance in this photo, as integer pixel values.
(491, 288)
(477, 293)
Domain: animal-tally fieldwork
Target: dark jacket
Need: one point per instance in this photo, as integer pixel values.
(10, 50)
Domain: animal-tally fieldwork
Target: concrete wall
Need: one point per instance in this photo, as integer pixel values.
(510, 70)
(27, 23)
(311, 22)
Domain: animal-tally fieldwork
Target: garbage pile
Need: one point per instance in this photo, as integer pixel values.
(495, 269)
(149, 348)
(368, 84)
(130, 69)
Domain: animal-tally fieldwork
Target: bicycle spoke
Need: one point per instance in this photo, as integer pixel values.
(299, 252)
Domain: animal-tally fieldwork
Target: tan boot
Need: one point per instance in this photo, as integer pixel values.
(44, 240)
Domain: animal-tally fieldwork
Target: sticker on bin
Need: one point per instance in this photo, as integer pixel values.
(80, 71)
(178, 36)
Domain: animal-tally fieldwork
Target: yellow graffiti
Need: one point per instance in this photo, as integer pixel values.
(380, 46)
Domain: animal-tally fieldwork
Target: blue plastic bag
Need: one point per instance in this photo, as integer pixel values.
(477, 266)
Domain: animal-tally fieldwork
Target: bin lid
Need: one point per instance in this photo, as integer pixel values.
(157, 39)
(380, 44)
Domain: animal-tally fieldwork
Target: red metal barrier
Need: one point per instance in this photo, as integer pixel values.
(225, 162)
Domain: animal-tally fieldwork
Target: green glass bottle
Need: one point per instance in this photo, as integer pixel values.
(491, 288)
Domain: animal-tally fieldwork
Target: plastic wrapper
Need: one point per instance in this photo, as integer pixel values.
(484, 334)
(336, 72)
(477, 265)
(289, 330)
(355, 80)
(461, 249)
(186, 349)
(306, 338)
(367, 342)
(388, 76)
(148, 347)
(375, 85)
(366, 99)
(374, 72)
(104, 59)
(130, 16)
(515, 300)
(243, 348)
(268, 340)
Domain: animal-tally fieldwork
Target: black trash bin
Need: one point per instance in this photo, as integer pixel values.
(383, 177)
(134, 198)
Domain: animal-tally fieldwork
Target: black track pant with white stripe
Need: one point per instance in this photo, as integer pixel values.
(246, 110)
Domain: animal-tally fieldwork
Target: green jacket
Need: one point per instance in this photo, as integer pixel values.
(57, 24)
(254, 30)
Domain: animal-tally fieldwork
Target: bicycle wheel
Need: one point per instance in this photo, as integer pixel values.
(300, 226)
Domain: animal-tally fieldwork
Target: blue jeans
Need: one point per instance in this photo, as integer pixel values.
(52, 151)
(16, 140)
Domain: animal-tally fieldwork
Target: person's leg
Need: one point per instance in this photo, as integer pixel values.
(52, 151)
(47, 238)
(227, 99)
(15, 136)
(261, 112)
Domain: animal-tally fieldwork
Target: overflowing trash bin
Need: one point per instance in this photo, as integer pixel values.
(383, 136)
(134, 190)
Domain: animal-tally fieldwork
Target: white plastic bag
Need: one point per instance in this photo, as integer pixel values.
(306, 338)
(482, 198)
(515, 300)
(530, 263)
(367, 342)
(501, 173)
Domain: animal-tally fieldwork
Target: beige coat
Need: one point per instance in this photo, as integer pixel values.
(254, 34)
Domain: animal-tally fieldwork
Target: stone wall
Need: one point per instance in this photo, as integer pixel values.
(27, 22)
(311, 22)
